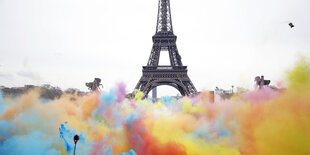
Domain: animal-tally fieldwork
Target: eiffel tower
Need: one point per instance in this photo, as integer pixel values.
(174, 75)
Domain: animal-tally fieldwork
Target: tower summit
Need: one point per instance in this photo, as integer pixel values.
(175, 74)
(164, 23)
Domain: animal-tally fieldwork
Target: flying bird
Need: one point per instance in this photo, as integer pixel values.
(291, 24)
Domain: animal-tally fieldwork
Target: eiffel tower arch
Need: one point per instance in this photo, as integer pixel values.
(175, 74)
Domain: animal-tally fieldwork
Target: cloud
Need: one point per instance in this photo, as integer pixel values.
(6, 75)
(29, 74)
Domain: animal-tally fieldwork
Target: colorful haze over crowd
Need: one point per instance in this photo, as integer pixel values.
(261, 121)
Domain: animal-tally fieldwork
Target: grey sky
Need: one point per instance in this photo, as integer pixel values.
(69, 42)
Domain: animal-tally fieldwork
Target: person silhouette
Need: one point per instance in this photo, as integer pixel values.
(76, 139)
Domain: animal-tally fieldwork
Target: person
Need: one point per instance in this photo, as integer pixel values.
(262, 81)
(257, 82)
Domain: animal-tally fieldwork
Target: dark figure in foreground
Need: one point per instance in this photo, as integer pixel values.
(76, 139)
(291, 25)
(94, 86)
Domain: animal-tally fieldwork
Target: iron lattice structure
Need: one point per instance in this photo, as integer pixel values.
(174, 75)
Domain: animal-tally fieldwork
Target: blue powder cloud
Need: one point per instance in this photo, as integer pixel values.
(34, 143)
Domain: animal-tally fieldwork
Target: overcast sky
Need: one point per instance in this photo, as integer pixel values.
(66, 43)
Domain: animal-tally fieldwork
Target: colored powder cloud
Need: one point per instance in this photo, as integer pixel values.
(263, 121)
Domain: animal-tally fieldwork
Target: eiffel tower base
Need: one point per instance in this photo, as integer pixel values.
(175, 76)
